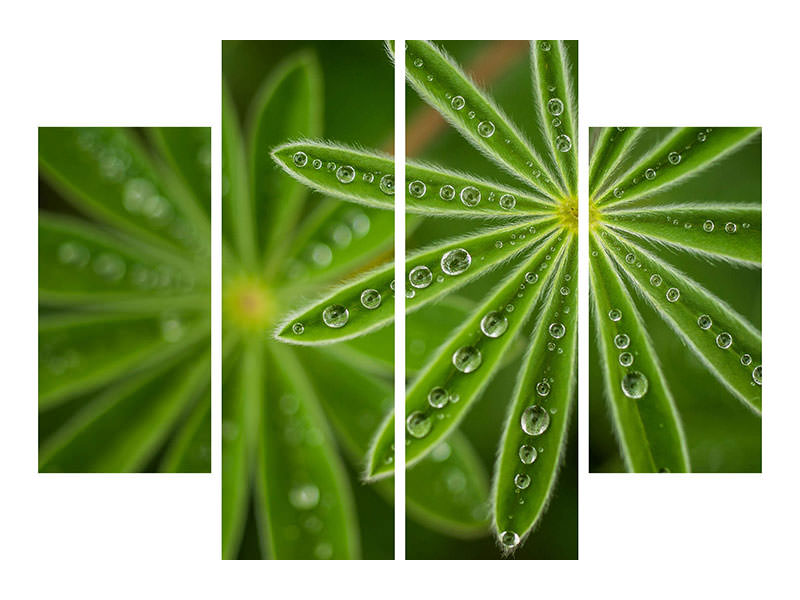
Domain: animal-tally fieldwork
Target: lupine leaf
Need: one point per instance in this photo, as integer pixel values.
(648, 427)
(540, 412)
(148, 405)
(426, 425)
(190, 450)
(83, 351)
(305, 506)
(607, 153)
(736, 362)
(444, 85)
(557, 109)
(361, 176)
(289, 104)
(729, 232)
(685, 153)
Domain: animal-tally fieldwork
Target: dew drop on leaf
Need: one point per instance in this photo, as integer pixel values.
(555, 107)
(704, 322)
(730, 227)
(335, 316)
(543, 388)
(618, 192)
(345, 174)
(507, 201)
(447, 192)
(420, 277)
(626, 359)
(757, 374)
(456, 261)
(527, 454)
(655, 279)
(467, 358)
(486, 129)
(701, 137)
(438, 397)
(622, 341)
(615, 314)
(304, 497)
(417, 188)
(457, 102)
(630, 258)
(316, 163)
(509, 539)
(563, 143)
(746, 359)
(298, 328)
(470, 196)
(708, 226)
(535, 420)
(522, 480)
(368, 177)
(673, 294)
(418, 424)
(370, 299)
(300, 159)
(724, 340)
(674, 158)
(544, 45)
(650, 174)
(531, 277)
(557, 330)
(634, 384)
(494, 324)
(387, 185)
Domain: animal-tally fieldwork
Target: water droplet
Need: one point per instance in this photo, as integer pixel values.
(527, 454)
(387, 185)
(522, 480)
(109, 266)
(494, 324)
(704, 321)
(622, 341)
(701, 137)
(345, 174)
(543, 388)
(486, 129)
(724, 340)
(618, 192)
(563, 143)
(410, 293)
(535, 420)
(316, 163)
(470, 196)
(557, 330)
(630, 258)
(556, 123)
(457, 102)
(298, 328)
(304, 497)
(418, 424)
(708, 226)
(417, 188)
(634, 384)
(331, 166)
(615, 314)
(467, 358)
(335, 316)
(368, 177)
(447, 192)
(72, 253)
(370, 299)
(420, 276)
(746, 359)
(300, 159)
(730, 227)
(418, 63)
(655, 279)
(650, 174)
(321, 254)
(509, 539)
(438, 397)
(673, 294)
(757, 374)
(508, 201)
(498, 244)
(564, 291)
(471, 114)
(626, 359)
(456, 261)
(509, 308)
(555, 107)
(674, 158)
(531, 277)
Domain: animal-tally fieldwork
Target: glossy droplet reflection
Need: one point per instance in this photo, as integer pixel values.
(335, 316)
(467, 358)
(494, 324)
(470, 196)
(300, 159)
(509, 540)
(704, 322)
(438, 397)
(417, 188)
(535, 420)
(622, 341)
(724, 340)
(634, 384)
(486, 129)
(522, 480)
(420, 277)
(418, 424)
(527, 454)
(615, 314)
(387, 185)
(557, 330)
(370, 299)
(345, 174)
(555, 107)
(447, 192)
(456, 261)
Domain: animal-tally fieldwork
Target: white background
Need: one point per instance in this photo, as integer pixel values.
(159, 63)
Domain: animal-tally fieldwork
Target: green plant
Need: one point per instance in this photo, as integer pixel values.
(124, 333)
(529, 235)
(661, 200)
(298, 421)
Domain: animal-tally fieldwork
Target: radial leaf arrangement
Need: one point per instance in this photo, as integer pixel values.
(124, 333)
(529, 232)
(299, 418)
(641, 221)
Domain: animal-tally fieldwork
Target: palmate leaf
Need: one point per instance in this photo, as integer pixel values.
(535, 435)
(642, 409)
(443, 84)
(728, 345)
(464, 364)
(613, 144)
(304, 499)
(685, 153)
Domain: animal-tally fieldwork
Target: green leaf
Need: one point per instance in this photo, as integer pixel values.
(80, 263)
(187, 151)
(361, 176)
(106, 173)
(436, 191)
(243, 392)
(730, 232)
(190, 450)
(83, 351)
(238, 226)
(684, 153)
(305, 507)
(288, 105)
(537, 424)
(613, 144)
(648, 428)
(554, 83)
(426, 425)
(724, 358)
(149, 406)
(447, 88)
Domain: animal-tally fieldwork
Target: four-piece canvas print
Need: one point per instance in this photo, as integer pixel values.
(490, 288)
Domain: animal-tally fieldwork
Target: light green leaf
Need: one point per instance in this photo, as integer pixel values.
(447, 88)
(187, 151)
(554, 83)
(190, 450)
(611, 147)
(729, 346)
(534, 439)
(288, 105)
(361, 176)
(83, 351)
(476, 355)
(648, 427)
(684, 153)
(305, 507)
(148, 405)
(730, 232)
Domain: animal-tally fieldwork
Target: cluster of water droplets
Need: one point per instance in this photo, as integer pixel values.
(345, 174)
(725, 341)
(690, 225)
